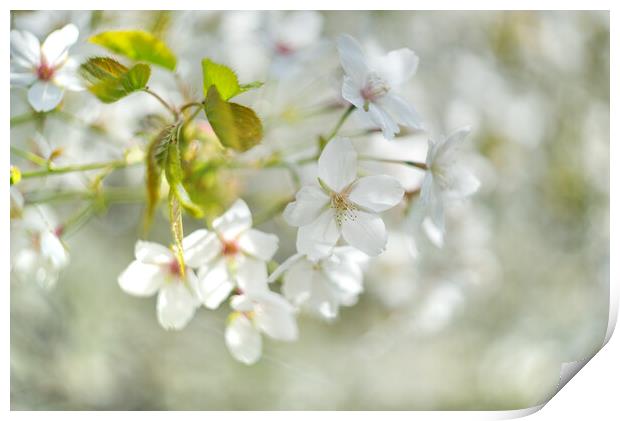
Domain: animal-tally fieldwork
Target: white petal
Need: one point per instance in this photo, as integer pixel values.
(215, 284)
(397, 66)
(274, 316)
(53, 250)
(297, 282)
(383, 120)
(44, 96)
(352, 59)
(242, 303)
(243, 340)
(153, 253)
(352, 92)
(401, 111)
(23, 79)
(436, 207)
(366, 232)
(377, 192)
(318, 238)
(251, 274)
(200, 248)
(25, 49)
(259, 244)
(141, 279)
(308, 205)
(68, 77)
(57, 44)
(446, 149)
(338, 164)
(176, 305)
(234, 221)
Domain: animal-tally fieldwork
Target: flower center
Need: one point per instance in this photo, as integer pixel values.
(230, 248)
(44, 71)
(374, 88)
(344, 209)
(283, 49)
(174, 268)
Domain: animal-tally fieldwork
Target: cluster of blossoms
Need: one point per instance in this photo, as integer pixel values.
(338, 217)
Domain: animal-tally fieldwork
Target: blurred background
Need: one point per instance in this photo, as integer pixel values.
(520, 285)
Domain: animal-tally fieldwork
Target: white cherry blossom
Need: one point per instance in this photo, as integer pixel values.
(446, 179)
(157, 270)
(258, 312)
(232, 255)
(46, 69)
(44, 255)
(342, 205)
(321, 286)
(371, 85)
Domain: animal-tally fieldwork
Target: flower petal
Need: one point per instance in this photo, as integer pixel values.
(259, 244)
(383, 120)
(352, 92)
(243, 340)
(53, 250)
(338, 164)
(22, 79)
(68, 77)
(274, 316)
(366, 232)
(402, 112)
(251, 274)
(377, 192)
(25, 49)
(44, 96)
(176, 305)
(57, 44)
(234, 221)
(200, 248)
(141, 279)
(152, 253)
(297, 282)
(446, 149)
(215, 284)
(352, 59)
(397, 66)
(308, 204)
(318, 238)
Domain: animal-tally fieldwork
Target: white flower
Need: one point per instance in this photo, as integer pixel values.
(343, 205)
(371, 85)
(156, 270)
(45, 255)
(321, 286)
(233, 255)
(45, 68)
(446, 179)
(256, 312)
(292, 31)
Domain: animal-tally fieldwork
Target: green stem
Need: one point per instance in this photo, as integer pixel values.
(420, 165)
(34, 158)
(77, 168)
(339, 124)
(23, 118)
(190, 104)
(169, 107)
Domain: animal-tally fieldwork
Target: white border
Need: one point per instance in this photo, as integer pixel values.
(592, 394)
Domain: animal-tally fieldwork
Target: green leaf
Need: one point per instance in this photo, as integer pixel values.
(114, 81)
(97, 69)
(174, 176)
(155, 160)
(236, 126)
(224, 79)
(137, 45)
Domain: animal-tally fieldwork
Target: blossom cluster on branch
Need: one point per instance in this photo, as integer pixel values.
(338, 216)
